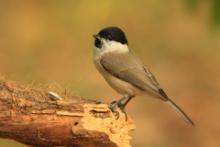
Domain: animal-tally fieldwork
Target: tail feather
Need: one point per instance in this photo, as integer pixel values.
(177, 109)
(180, 112)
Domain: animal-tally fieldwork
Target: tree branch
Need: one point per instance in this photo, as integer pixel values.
(36, 117)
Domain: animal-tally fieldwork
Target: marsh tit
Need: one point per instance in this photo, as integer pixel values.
(125, 73)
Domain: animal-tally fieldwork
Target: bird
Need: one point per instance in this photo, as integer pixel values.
(125, 72)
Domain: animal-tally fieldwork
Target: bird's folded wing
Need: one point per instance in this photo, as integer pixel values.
(129, 68)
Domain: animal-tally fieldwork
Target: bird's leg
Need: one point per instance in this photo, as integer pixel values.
(120, 104)
(123, 102)
(112, 106)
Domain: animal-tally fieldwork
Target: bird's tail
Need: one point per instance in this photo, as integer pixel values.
(180, 112)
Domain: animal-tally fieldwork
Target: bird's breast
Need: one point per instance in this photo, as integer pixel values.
(116, 83)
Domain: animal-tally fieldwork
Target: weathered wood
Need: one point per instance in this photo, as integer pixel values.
(36, 117)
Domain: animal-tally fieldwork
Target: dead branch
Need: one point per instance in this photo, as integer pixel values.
(36, 117)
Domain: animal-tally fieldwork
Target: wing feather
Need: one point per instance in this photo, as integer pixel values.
(129, 68)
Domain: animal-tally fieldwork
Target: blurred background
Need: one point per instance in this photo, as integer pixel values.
(50, 41)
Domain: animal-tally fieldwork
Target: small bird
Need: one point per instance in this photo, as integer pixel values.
(125, 73)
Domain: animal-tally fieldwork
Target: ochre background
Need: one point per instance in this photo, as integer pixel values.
(50, 41)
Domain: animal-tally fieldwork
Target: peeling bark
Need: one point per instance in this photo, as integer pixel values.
(36, 117)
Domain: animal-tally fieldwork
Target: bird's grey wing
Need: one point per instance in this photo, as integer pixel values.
(129, 68)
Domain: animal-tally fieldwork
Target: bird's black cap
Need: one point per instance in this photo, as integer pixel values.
(113, 33)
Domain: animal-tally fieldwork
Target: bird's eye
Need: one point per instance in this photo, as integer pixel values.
(98, 43)
(110, 37)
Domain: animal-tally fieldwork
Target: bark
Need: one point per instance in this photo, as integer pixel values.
(45, 117)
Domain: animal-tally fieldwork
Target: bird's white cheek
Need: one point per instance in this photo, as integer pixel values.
(97, 51)
(113, 46)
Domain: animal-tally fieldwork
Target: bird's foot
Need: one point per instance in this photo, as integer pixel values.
(121, 106)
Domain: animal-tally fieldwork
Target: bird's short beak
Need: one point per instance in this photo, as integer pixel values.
(95, 36)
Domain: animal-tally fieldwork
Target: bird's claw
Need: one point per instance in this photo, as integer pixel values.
(113, 107)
